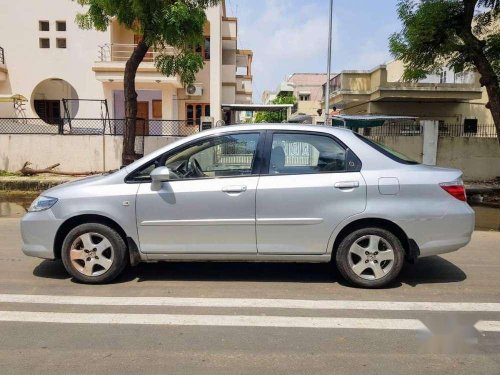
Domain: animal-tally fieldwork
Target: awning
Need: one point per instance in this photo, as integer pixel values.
(12, 98)
(256, 107)
(366, 121)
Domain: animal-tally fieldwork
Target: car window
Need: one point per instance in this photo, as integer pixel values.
(394, 155)
(221, 156)
(296, 153)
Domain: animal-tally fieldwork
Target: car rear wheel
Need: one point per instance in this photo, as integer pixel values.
(94, 253)
(370, 257)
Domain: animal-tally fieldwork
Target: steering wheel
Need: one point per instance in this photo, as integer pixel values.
(194, 169)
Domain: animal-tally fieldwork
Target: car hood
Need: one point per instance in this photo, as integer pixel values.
(91, 180)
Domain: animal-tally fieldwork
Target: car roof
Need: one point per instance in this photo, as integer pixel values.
(281, 126)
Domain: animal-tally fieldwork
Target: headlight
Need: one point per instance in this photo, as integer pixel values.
(42, 203)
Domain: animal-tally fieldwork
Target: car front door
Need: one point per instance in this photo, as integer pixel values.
(208, 205)
(310, 184)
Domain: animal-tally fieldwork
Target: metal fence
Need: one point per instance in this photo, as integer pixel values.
(461, 130)
(445, 130)
(408, 129)
(93, 126)
(2, 56)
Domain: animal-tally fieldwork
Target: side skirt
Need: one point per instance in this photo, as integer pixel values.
(323, 258)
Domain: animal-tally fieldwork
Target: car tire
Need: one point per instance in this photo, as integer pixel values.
(94, 253)
(370, 257)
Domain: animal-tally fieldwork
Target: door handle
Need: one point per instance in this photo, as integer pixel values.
(234, 189)
(346, 185)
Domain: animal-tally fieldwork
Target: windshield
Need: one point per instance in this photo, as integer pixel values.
(387, 151)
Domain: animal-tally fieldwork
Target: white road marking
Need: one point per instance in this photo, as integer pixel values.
(213, 320)
(487, 326)
(252, 303)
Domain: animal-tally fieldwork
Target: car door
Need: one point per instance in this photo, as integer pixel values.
(209, 213)
(310, 183)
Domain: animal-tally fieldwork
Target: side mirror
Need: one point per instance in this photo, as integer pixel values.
(158, 176)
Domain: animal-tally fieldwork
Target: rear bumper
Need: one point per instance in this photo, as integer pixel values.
(442, 235)
(443, 246)
(38, 231)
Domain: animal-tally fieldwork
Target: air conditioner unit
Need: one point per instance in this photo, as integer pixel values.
(194, 90)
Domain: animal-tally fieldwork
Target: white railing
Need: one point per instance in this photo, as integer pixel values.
(121, 52)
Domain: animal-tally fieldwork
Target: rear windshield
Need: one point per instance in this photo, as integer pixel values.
(389, 152)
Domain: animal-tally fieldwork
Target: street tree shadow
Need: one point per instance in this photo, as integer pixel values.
(426, 271)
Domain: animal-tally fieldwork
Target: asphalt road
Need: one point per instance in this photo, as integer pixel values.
(442, 316)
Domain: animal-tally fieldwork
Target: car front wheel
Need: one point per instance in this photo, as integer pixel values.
(370, 257)
(94, 253)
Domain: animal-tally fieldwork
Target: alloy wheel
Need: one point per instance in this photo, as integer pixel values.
(91, 254)
(371, 257)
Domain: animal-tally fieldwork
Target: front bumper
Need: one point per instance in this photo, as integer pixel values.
(38, 231)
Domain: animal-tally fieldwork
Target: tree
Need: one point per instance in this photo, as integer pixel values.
(161, 23)
(461, 34)
(275, 117)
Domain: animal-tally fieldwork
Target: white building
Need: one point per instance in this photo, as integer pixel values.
(47, 58)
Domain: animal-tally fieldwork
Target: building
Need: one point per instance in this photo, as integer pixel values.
(47, 58)
(447, 97)
(305, 87)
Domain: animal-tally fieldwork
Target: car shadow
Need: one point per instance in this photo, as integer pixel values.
(431, 270)
(426, 271)
(51, 269)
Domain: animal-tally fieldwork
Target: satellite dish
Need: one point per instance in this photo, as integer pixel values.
(191, 89)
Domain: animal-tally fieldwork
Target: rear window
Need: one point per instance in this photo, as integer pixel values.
(389, 152)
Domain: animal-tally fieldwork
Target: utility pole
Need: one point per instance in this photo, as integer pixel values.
(328, 68)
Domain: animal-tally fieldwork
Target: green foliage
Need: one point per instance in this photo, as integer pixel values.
(162, 23)
(4, 173)
(439, 33)
(275, 117)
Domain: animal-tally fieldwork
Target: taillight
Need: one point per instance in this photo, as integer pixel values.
(455, 188)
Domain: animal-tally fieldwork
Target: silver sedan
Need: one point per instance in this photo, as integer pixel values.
(256, 193)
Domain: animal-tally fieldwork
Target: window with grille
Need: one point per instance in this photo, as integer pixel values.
(194, 112)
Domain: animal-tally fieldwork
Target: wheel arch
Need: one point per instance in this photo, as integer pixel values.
(409, 245)
(74, 221)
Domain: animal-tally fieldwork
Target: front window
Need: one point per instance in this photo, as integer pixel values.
(222, 156)
(296, 153)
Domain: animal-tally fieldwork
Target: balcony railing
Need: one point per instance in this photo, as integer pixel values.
(2, 56)
(121, 52)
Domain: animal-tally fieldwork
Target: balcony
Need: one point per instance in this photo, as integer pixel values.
(3, 67)
(112, 58)
(351, 87)
(229, 32)
(244, 84)
(229, 73)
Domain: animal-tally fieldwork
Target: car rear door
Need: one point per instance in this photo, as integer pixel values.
(310, 183)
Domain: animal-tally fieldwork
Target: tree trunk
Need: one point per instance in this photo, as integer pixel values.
(488, 77)
(490, 81)
(128, 154)
(493, 91)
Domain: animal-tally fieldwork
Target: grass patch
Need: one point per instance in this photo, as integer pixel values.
(8, 174)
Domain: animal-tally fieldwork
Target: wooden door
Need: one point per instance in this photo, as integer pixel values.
(142, 124)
